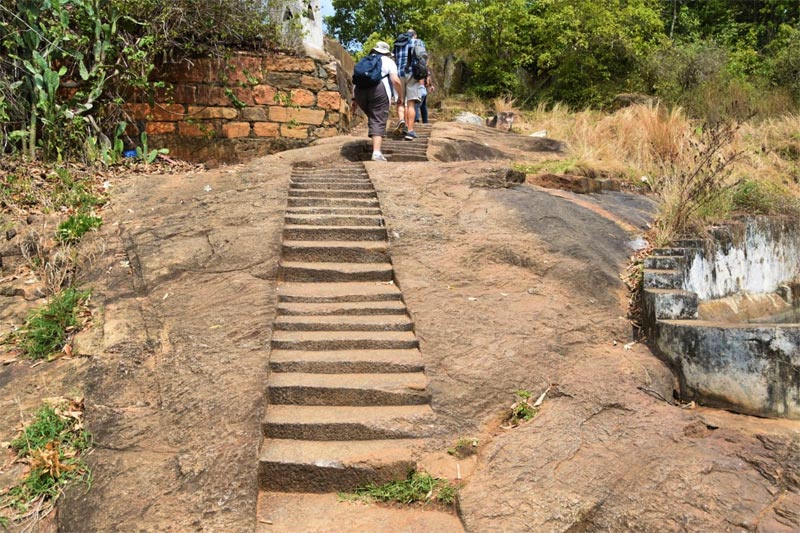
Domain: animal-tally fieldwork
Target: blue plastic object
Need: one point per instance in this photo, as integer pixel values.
(129, 153)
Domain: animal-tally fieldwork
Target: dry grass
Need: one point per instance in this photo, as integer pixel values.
(660, 148)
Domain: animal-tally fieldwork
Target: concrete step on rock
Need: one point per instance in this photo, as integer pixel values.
(287, 465)
(333, 220)
(339, 167)
(395, 307)
(310, 180)
(406, 158)
(289, 512)
(333, 272)
(688, 243)
(663, 262)
(347, 362)
(344, 340)
(336, 251)
(334, 202)
(338, 292)
(663, 279)
(328, 193)
(374, 211)
(333, 233)
(292, 388)
(332, 185)
(670, 252)
(351, 171)
(343, 323)
(343, 422)
(416, 144)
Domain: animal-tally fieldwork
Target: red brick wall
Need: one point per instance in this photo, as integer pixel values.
(243, 107)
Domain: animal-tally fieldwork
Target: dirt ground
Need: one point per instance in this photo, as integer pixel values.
(509, 288)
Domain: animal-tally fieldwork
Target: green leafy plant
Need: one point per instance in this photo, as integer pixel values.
(51, 445)
(284, 98)
(417, 487)
(48, 329)
(71, 230)
(145, 154)
(522, 409)
(235, 101)
(47, 43)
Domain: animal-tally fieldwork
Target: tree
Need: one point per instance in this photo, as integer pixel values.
(354, 21)
(584, 53)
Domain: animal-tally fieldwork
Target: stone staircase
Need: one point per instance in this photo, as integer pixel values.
(397, 149)
(347, 400)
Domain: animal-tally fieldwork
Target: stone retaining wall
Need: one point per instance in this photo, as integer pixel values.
(244, 106)
(748, 368)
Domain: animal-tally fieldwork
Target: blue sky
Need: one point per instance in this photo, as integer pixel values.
(327, 7)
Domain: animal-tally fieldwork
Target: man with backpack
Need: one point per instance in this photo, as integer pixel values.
(374, 77)
(412, 64)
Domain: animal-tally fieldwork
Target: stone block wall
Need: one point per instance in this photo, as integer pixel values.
(245, 106)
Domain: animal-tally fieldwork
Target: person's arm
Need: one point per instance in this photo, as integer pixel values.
(398, 88)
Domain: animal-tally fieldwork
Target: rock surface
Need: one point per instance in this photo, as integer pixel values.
(509, 288)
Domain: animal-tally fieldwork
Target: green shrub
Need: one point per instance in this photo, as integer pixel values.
(48, 329)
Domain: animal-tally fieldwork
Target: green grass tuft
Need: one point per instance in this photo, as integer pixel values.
(49, 426)
(417, 487)
(51, 444)
(48, 329)
(464, 448)
(759, 197)
(552, 166)
(71, 230)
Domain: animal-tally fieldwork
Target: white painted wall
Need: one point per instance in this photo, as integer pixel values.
(767, 257)
(309, 13)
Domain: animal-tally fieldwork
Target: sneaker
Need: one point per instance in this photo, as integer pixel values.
(411, 135)
(401, 127)
(377, 156)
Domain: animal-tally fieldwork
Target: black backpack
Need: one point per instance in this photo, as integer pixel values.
(368, 71)
(418, 61)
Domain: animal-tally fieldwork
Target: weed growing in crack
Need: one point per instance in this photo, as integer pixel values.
(522, 409)
(49, 329)
(417, 487)
(51, 446)
(464, 448)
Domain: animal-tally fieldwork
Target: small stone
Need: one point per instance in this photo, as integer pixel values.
(29, 219)
(10, 234)
(11, 291)
(531, 291)
(39, 293)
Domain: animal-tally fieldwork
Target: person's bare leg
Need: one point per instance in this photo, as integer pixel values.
(411, 114)
(376, 143)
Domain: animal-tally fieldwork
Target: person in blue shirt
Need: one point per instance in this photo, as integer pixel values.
(411, 89)
(422, 105)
